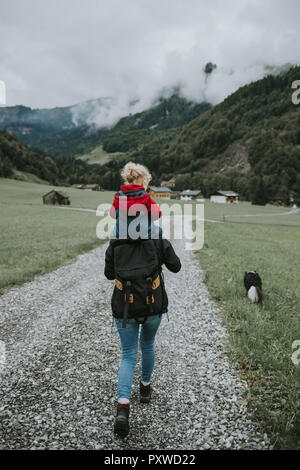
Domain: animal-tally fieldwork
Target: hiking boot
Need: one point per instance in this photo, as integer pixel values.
(145, 393)
(122, 420)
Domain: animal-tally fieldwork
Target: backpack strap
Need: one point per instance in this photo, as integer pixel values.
(149, 282)
(126, 306)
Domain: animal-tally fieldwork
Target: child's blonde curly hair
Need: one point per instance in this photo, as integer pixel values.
(133, 172)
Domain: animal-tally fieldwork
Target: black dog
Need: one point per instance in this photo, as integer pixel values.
(253, 285)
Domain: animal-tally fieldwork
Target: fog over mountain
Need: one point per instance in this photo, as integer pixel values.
(129, 52)
(212, 88)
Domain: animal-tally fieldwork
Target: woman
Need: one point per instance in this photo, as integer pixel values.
(139, 298)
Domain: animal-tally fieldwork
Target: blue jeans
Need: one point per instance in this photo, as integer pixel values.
(129, 342)
(144, 229)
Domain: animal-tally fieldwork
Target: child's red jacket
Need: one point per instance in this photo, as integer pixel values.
(135, 194)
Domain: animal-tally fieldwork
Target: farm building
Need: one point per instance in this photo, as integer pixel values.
(175, 195)
(190, 194)
(162, 192)
(56, 197)
(224, 197)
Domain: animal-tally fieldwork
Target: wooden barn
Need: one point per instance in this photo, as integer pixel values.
(162, 192)
(224, 197)
(56, 197)
(190, 194)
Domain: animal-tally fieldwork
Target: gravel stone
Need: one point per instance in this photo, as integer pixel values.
(58, 387)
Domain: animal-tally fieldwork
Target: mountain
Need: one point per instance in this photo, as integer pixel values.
(19, 162)
(165, 115)
(58, 131)
(16, 157)
(71, 131)
(249, 143)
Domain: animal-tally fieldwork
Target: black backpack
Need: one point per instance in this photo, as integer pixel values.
(139, 288)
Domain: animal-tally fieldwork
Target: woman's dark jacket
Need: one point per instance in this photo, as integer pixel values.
(165, 255)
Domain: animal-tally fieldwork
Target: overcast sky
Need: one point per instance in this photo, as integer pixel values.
(61, 52)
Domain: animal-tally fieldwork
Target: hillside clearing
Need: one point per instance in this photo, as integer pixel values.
(99, 156)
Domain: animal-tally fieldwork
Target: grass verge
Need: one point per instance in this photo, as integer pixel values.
(261, 337)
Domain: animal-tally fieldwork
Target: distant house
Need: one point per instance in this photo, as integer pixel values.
(56, 197)
(162, 192)
(224, 197)
(78, 186)
(190, 194)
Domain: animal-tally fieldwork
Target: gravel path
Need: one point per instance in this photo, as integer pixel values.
(59, 384)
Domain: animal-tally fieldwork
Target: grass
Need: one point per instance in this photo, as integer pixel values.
(243, 212)
(265, 238)
(22, 192)
(34, 238)
(29, 177)
(261, 337)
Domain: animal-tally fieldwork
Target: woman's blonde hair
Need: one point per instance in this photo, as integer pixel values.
(133, 171)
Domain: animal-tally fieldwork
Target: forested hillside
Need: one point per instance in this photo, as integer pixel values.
(249, 143)
(57, 131)
(132, 131)
(15, 157)
(70, 131)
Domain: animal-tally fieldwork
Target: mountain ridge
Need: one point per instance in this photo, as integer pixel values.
(251, 139)
(55, 131)
(249, 143)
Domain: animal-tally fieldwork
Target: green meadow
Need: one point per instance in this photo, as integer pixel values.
(36, 238)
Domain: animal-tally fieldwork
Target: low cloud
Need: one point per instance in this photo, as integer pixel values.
(127, 51)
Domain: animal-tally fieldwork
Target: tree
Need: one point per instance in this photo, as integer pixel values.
(259, 195)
